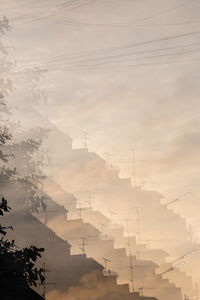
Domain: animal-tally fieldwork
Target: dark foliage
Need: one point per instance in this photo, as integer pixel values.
(17, 266)
(14, 171)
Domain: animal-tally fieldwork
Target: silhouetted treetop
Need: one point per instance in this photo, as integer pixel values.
(17, 266)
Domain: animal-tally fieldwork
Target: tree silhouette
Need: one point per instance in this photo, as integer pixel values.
(17, 266)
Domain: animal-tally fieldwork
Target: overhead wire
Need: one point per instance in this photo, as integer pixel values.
(126, 46)
(18, 6)
(63, 8)
(64, 60)
(115, 67)
(65, 68)
(111, 49)
(147, 57)
(57, 7)
(132, 23)
(71, 22)
(60, 6)
(8, 1)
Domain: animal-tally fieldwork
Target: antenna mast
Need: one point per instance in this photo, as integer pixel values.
(89, 201)
(46, 211)
(85, 139)
(133, 168)
(46, 283)
(80, 209)
(83, 245)
(138, 224)
(130, 257)
(105, 263)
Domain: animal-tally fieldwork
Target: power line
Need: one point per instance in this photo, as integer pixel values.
(60, 65)
(33, 18)
(60, 9)
(131, 23)
(126, 46)
(117, 67)
(18, 6)
(7, 2)
(140, 58)
(74, 65)
(132, 66)
(148, 51)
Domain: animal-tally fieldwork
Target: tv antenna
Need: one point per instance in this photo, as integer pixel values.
(80, 209)
(130, 257)
(45, 284)
(83, 245)
(112, 213)
(142, 288)
(108, 156)
(89, 198)
(138, 224)
(133, 172)
(46, 212)
(102, 228)
(85, 139)
(106, 261)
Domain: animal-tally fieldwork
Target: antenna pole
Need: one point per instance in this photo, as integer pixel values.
(141, 291)
(138, 223)
(46, 211)
(197, 291)
(102, 228)
(83, 245)
(133, 168)
(130, 257)
(89, 201)
(85, 139)
(46, 283)
(112, 213)
(80, 209)
(108, 156)
(105, 262)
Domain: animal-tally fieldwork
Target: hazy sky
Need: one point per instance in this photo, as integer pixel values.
(125, 71)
